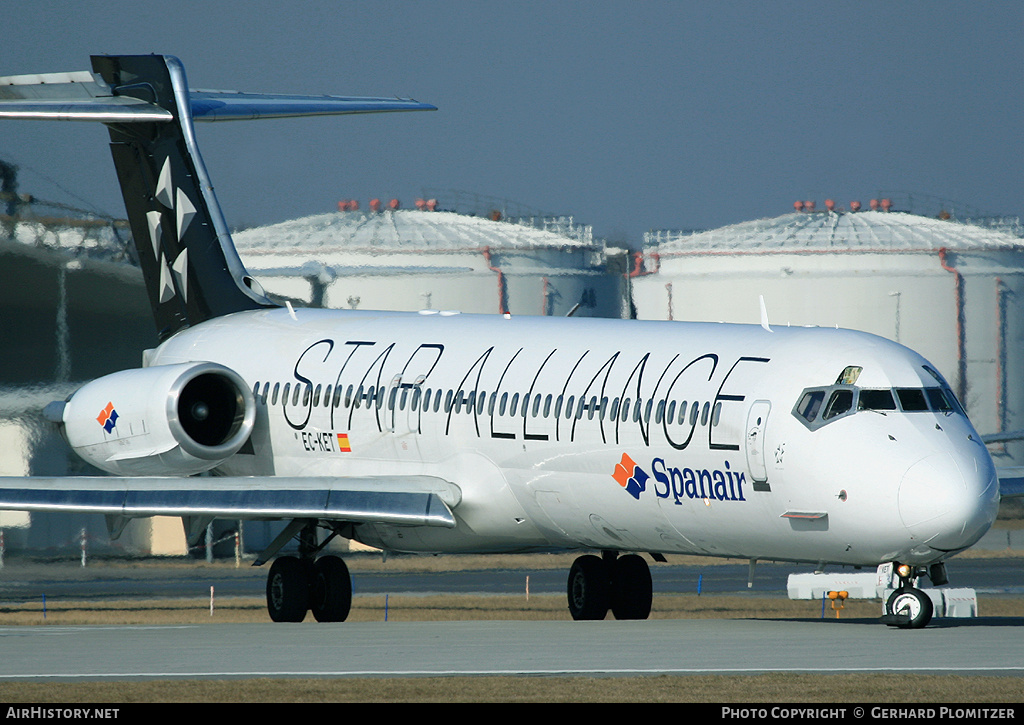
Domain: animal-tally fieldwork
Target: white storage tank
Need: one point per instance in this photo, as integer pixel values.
(389, 258)
(954, 292)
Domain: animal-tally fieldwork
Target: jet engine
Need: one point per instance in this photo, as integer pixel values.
(166, 420)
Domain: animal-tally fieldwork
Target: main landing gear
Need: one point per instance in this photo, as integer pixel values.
(304, 583)
(296, 586)
(909, 607)
(599, 583)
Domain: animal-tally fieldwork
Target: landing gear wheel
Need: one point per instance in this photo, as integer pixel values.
(589, 588)
(288, 585)
(912, 605)
(631, 593)
(330, 597)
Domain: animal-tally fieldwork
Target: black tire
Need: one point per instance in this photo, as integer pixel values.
(288, 585)
(632, 590)
(915, 603)
(589, 588)
(331, 594)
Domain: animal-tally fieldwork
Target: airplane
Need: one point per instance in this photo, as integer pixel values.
(441, 432)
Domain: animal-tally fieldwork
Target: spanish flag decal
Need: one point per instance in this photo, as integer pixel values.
(343, 444)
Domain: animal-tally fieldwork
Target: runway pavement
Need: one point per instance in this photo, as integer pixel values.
(963, 647)
(364, 649)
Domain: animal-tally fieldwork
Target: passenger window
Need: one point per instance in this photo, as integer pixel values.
(912, 400)
(840, 402)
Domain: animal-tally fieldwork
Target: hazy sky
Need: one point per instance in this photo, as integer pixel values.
(637, 115)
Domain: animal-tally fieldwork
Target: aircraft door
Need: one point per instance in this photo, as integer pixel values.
(757, 420)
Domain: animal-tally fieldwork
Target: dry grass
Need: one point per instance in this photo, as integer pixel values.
(864, 689)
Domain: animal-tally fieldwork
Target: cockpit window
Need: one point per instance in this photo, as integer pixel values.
(876, 400)
(840, 402)
(912, 400)
(940, 399)
(809, 404)
(843, 400)
(850, 375)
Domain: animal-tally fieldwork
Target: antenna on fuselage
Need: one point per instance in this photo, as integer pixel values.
(764, 315)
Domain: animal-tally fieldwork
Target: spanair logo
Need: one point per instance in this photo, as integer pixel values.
(107, 418)
(679, 484)
(630, 476)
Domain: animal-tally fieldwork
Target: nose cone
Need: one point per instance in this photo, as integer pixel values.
(948, 501)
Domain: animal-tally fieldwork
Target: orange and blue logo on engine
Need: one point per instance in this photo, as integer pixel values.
(630, 476)
(107, 418)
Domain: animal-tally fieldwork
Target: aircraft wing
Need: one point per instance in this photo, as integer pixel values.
(404, 500)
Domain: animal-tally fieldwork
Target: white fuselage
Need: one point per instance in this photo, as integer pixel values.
(624, 435)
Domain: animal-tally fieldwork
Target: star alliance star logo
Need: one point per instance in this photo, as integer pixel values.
(176, 201)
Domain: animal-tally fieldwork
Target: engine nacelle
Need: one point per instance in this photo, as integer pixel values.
(167, 420)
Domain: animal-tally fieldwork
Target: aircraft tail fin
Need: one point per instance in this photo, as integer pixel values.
(192, 270)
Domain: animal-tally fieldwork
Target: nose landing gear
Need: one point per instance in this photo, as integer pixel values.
(909, 607)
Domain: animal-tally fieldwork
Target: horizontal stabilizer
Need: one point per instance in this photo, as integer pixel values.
(402, 500)
(85, 96)
(232, 106)
(78, 96)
